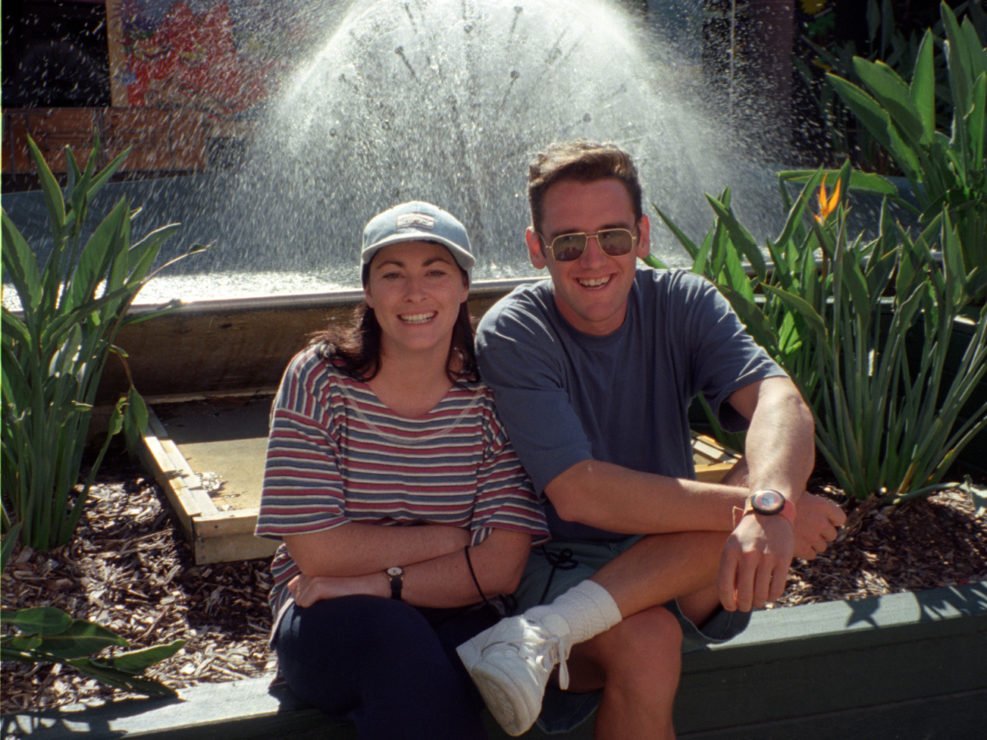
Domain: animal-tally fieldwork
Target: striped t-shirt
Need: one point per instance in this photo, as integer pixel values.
(337, 454)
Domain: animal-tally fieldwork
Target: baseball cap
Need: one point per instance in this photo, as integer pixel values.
(416, 221)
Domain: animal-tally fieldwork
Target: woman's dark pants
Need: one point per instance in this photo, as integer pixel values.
(389, 667)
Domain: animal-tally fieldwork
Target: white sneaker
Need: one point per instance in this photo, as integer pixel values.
(510, 663)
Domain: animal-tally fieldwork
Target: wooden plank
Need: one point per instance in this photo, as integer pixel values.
(812, 672)
(180, 484)
(250, 341)
(228, 548)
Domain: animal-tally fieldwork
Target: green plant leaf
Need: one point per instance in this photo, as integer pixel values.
(50, 190)
(922, 89)
(684, 240)
(79, 639)
(136, 661)
(54, 353)
(861, 182)
(120, 679)
(20, 266)
(93, 262)
(9, 541)
(893, 94)
(869, 112)
(42, 620)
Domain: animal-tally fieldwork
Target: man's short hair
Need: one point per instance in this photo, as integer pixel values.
(583, 161)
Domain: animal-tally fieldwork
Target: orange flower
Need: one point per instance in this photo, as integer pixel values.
(827, 203)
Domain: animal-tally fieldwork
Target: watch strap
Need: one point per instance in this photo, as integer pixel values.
(395, 576)
(787, 511)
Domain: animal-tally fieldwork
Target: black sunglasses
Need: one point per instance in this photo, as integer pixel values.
(568, 247)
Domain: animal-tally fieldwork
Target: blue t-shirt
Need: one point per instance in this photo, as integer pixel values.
(623, 398)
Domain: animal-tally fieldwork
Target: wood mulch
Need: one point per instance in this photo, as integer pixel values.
(129, 569)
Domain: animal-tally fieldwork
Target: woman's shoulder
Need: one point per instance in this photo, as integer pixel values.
(314, 366)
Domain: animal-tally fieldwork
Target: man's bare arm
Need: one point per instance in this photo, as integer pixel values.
(619, 499)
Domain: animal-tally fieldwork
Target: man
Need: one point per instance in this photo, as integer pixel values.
(594, 374)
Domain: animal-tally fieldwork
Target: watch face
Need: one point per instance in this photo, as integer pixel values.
(767, 502)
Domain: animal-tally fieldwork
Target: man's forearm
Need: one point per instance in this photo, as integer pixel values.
(618, 499)
(780, 446)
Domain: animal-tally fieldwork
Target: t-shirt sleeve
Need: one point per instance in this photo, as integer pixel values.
(520, 358)
(505, 497)
(725, 358)
(302, 490)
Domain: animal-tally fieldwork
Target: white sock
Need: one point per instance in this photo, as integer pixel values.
(587, 608)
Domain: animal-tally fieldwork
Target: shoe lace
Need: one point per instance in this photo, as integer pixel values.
(546, 650)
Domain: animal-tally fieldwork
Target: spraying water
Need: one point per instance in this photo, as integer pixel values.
(447, 100)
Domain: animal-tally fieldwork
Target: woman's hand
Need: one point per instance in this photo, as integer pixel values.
(307, 590)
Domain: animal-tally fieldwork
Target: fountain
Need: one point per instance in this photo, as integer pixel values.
(443, 100)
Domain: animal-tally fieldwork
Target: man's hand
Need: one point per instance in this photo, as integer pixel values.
(755, 560)
(816, 525)
(308, 589)
(758, 553)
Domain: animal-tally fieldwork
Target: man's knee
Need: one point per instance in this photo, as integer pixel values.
(650, 637)
(643, 650)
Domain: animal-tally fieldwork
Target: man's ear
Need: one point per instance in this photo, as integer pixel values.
(643, 237)
(536, 252)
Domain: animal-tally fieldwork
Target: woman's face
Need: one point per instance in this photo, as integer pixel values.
(415, 290)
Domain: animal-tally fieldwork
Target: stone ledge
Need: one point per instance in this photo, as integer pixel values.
(902, 666)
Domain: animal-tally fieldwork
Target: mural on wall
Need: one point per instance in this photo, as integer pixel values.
(216, 56)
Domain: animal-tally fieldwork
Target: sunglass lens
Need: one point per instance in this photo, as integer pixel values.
(568, 247)
(616, 241)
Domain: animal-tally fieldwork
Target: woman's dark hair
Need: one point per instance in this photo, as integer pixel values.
(355, 349)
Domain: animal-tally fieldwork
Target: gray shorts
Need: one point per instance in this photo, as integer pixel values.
(560, 565)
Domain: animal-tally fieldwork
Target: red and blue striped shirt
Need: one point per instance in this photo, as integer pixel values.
(337, 454)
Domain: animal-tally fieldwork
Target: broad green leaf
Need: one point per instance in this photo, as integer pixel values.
(93, 262)
(863, 182)
(80, 639)
(975, 121)
(50, 190)
(801, 307)
(740, 237)
(119, 679)
(42, 620)
(20, 647)
(892, 93)
(869, 112)
(922, 89)
(684, 240)
(8, 539)
(19, 265)
(136, 661)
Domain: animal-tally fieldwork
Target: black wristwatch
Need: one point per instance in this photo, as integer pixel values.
(769, 502)
(396, 575)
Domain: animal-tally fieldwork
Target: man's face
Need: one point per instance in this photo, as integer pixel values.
(590, 291)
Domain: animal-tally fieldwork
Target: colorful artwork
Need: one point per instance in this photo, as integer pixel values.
(199, 54)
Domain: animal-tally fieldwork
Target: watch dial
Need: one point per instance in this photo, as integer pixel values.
(769, 500)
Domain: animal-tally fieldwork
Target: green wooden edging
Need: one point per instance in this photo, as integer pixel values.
(910, 665)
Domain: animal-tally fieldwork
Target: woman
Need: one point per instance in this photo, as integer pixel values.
(401, 505)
